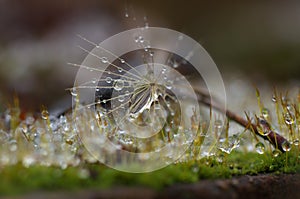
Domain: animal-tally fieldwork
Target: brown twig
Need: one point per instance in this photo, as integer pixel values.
(274, 138)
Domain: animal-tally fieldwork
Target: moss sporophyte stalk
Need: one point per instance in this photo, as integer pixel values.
(139, 112)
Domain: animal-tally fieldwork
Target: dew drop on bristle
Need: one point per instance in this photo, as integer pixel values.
(141, 39)
(175, 64)
(136, 39)
(118, 84)
(104, 60)
(108, 80)
(94, 80)
(73, 92)
(121, 98)
(169, 84)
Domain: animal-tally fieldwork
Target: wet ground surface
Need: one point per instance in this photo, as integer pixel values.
(261, 186)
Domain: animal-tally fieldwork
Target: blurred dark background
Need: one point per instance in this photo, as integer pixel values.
(38, 39)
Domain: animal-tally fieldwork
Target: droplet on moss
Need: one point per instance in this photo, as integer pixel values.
(45, 114)
(276, 153)
(286, 146)
(218, 124)
(289, 120)
(260, 148)
(265, 113)
(296, 142)
(274, 99)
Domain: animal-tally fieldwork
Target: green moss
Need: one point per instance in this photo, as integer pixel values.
(17, 179)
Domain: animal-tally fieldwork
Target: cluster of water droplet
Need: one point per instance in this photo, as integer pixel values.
(48, 140)
(284, 120)
(43, 140)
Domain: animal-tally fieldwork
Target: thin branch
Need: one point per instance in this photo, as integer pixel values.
(274, 138)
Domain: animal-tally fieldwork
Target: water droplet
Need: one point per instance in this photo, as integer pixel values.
(108, 80)
(276, 153)
(24, 128)
(169, 84)
(265, 113)
(289, 120)
(260, 148)
(120, 69)
(121, 98)
(296, 142)
(104, 60)
(45, 114)
(126, 15)
(195, 168)
(175, 64)
(13, 145)
(122, 61)
(29, 120)
(94, 80)
(226, 149)
(118, 84)
(218, 124)
(287, 102)
(141, 39)
(28, 161)
(136, 39)
(263, 128)
(236, 141)
(73, 92)
(274, 99)
(83, 173)
(157, 107)
(167, 128)
(66, 127)
(220, 158)
(286, 146)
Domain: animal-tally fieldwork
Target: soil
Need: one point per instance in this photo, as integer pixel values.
(261, 186)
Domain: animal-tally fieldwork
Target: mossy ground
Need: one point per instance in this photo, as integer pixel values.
(16, 180)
